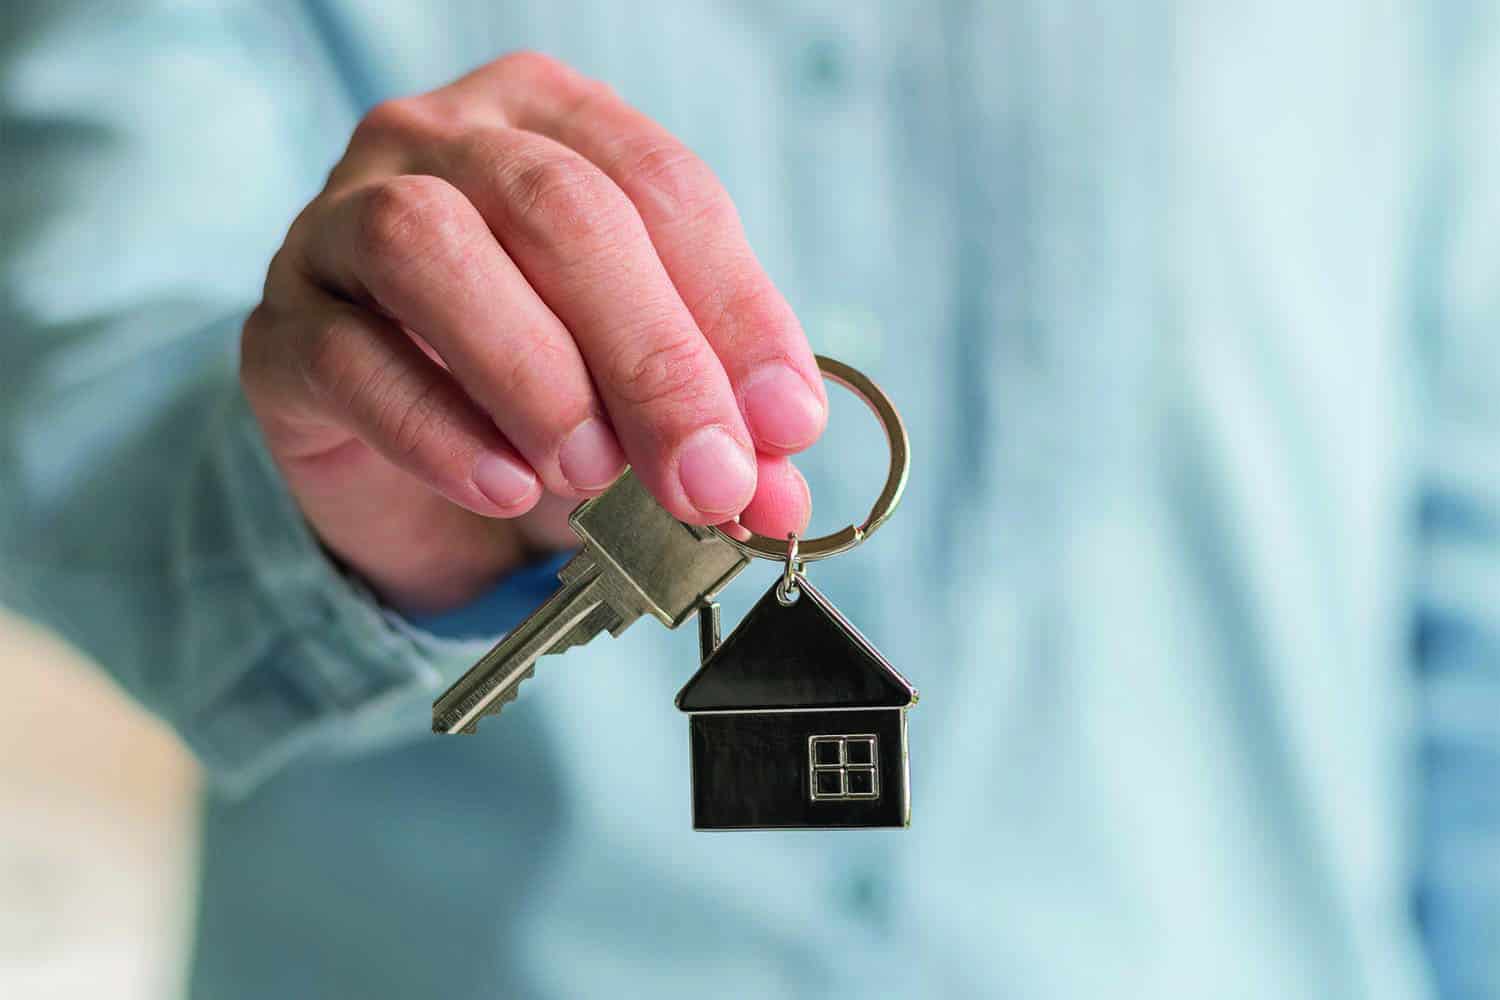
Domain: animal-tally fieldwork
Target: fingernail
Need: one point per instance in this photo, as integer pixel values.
(590, 457)
(782, 410)
(716, 472)
(503, 481)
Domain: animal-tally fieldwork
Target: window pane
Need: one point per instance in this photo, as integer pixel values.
(826, 751)
(860, 751)
(830, 782)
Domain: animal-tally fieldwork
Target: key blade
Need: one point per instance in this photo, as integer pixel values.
(492, 681)
(508, 696)
(602, 619)
(636, 559)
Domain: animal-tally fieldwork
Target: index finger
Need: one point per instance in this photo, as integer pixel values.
(695, 230)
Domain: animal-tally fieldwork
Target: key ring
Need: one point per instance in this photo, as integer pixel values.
(813, 549)
(786, 590)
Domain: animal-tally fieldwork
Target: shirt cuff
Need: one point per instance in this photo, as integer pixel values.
(499, 610)
(304, 659)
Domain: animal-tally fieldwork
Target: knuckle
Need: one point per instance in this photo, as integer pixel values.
(558, 200)
(256, 355)
(381, 397)
(399, 116)
(532, 367)
(683, 187)
(748, 318)
(258, 325)
(529, 65)
(308, 221)
(403, 218)
(586, 93)
(660, 368)
(407, 416)
(529, 69)
(486, 152)
(331, 362)
(284, 274)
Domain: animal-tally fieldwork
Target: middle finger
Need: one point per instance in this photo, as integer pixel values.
(583, 247)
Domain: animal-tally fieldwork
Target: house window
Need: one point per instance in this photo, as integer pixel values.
(843, 767)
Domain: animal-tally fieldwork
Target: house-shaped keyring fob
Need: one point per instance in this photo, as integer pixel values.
(797, 721)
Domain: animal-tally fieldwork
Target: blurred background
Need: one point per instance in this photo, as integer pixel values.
(97, 832)
(1202, 603)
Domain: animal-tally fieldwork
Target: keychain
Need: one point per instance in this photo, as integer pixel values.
(795, 719)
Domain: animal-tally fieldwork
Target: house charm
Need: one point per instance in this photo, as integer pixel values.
(797, 721)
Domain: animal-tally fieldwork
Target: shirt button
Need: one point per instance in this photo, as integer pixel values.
(825, 65)
(863, 892)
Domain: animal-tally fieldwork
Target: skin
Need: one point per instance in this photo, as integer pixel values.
(509, 288)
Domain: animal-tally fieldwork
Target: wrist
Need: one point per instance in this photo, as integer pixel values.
(425, 571)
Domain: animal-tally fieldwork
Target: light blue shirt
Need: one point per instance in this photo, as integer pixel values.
(1194, 313)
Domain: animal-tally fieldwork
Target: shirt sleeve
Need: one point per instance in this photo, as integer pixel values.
(153, 154)
(1458, 612)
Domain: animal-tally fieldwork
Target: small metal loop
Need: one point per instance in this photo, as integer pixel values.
(813, 549)
(788, 593)
(786, 590)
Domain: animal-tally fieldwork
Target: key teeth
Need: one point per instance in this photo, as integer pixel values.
(494, 707)
(510, 696)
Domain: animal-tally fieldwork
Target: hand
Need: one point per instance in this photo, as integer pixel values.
(509, 288)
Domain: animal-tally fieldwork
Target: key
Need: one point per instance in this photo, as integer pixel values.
(636, 559)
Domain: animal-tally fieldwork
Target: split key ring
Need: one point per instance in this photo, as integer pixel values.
(813, 549)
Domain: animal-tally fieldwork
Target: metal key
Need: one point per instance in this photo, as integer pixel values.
(636, 558)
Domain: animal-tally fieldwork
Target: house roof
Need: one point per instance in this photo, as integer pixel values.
(805, 655)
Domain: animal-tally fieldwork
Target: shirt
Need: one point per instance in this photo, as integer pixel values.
(1191, 311)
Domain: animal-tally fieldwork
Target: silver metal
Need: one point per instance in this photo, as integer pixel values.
(796, 721)
(786, 591)
(636, 559)
(847, 772)
(495, 679)
(708, 630)
(814, 549)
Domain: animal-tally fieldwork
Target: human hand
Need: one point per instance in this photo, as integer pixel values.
(508, 288)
